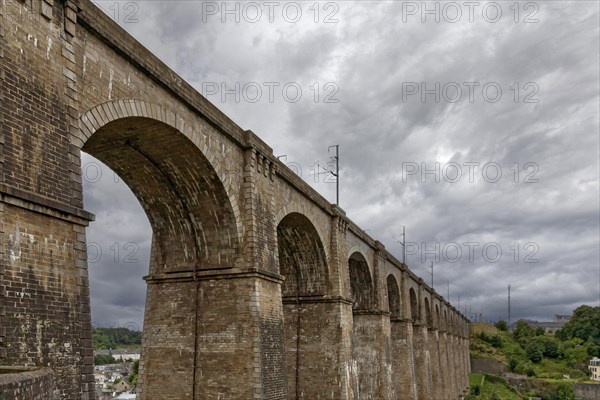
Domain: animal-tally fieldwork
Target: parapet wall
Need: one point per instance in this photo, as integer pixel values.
(18, 383)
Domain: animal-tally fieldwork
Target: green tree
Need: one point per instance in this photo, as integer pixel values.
(584, 324)
(539, 331)
(575, 353)
(551, 349)
(593, 349)
(114, 338)
(134, 372)
(534, 351)
(564, 391)
(495, 341)
(502, 325)
(104, 359)
(523, 330)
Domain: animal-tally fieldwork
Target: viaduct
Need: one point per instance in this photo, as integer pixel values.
(258, 288)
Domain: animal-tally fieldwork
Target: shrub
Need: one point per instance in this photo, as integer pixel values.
(476, 390)
(104, 359)
(501, 325)
(539, 331)
(512, 364)
(551, 349)
(523, 330)
(495, 379)
(534, 352)
(495, 341)
(564, 391)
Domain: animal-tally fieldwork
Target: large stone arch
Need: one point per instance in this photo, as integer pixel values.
(428, 314)
(415, 312)
(309, 213)
(193, 221)
(445, 324)
(362, 288)
(303, 264)
(366, 327)
(98, 117)
(302, 259)
(196, 229)
(393, 294)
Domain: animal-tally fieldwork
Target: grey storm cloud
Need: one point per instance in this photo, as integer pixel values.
(541, 133)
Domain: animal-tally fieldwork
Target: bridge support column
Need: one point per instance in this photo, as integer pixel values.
(423, 362)
(318, 348)
(436, 367)
(450, 370)
(461, 364)
(403, 362)
(468, 356)
(455, 365)
(217, 334)
(44, 290)
(445, 365)
(466, 364)
(371, 354)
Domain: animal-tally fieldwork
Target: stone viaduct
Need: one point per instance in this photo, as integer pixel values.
(258, 288)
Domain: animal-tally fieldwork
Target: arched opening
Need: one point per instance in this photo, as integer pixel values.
(303, 264)
(193, 230)
(445, 320)
(393, 297)
(361, 284)
(118, 250)
(402, 359)
(188, 208)
(414, 306)
(428, 319)
(301, 257)
(366, 338)
(437, 317)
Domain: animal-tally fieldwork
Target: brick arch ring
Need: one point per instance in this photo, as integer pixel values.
(104, 113)
(301, 209)
(359, 249)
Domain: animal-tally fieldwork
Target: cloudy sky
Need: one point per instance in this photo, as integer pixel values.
(475, 125)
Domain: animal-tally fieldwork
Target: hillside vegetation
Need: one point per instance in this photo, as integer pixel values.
(116, 338)
(556, 360)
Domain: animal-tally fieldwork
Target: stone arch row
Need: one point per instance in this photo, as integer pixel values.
(300, 244)
(425, 308)
(302, 256)
(295, 226)
(428, 309)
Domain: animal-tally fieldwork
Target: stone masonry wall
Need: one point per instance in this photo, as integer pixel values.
(26, 384)
(586, 391)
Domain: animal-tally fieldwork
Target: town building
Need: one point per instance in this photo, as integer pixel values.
(120, 354)
(595, 369)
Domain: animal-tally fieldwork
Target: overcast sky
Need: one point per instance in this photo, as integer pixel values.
(501, 99)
